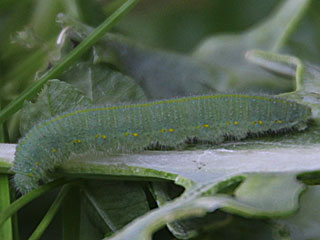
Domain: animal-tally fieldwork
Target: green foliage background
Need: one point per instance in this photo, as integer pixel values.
(261, 188)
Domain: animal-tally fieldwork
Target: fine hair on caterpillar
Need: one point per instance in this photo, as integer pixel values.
(134, 128)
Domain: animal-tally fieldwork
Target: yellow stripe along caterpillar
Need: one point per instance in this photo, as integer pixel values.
(132, 128)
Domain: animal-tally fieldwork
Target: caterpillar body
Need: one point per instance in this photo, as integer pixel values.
(132, 128)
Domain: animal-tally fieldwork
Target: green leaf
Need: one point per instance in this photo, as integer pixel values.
(271, 193)
(182, 166)
(164, 192)
(153, 70)
(305, 223)
(155, 219)
(6, 156)
(182, 208)
(225, 53)
(110, 205)
(160, 74)
(102, 84)
(55, 98)
(191, 227)
(307, 75)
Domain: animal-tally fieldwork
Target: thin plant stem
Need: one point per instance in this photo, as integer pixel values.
(14, 218)
(51, 212)
(65, 63)
(6, 228)
(25, 199)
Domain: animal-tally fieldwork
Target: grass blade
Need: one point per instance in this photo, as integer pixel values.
(88, 42)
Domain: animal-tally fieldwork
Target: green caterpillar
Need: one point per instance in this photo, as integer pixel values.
(132, 128)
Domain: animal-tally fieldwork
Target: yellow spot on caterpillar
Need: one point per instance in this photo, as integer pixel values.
(135, 134)
(254, 123)
(235, 122)
(228, 123)
(54, 150)
(104, 137)
(37, 163)
(126, 134)
(206, 125)
(171, 130)
(30, 175)
(97, 135)
(79, 140)
(74, 141)
(275, 121)
(280, 121)
(198, 127)
(163, 130)
(260, 122)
